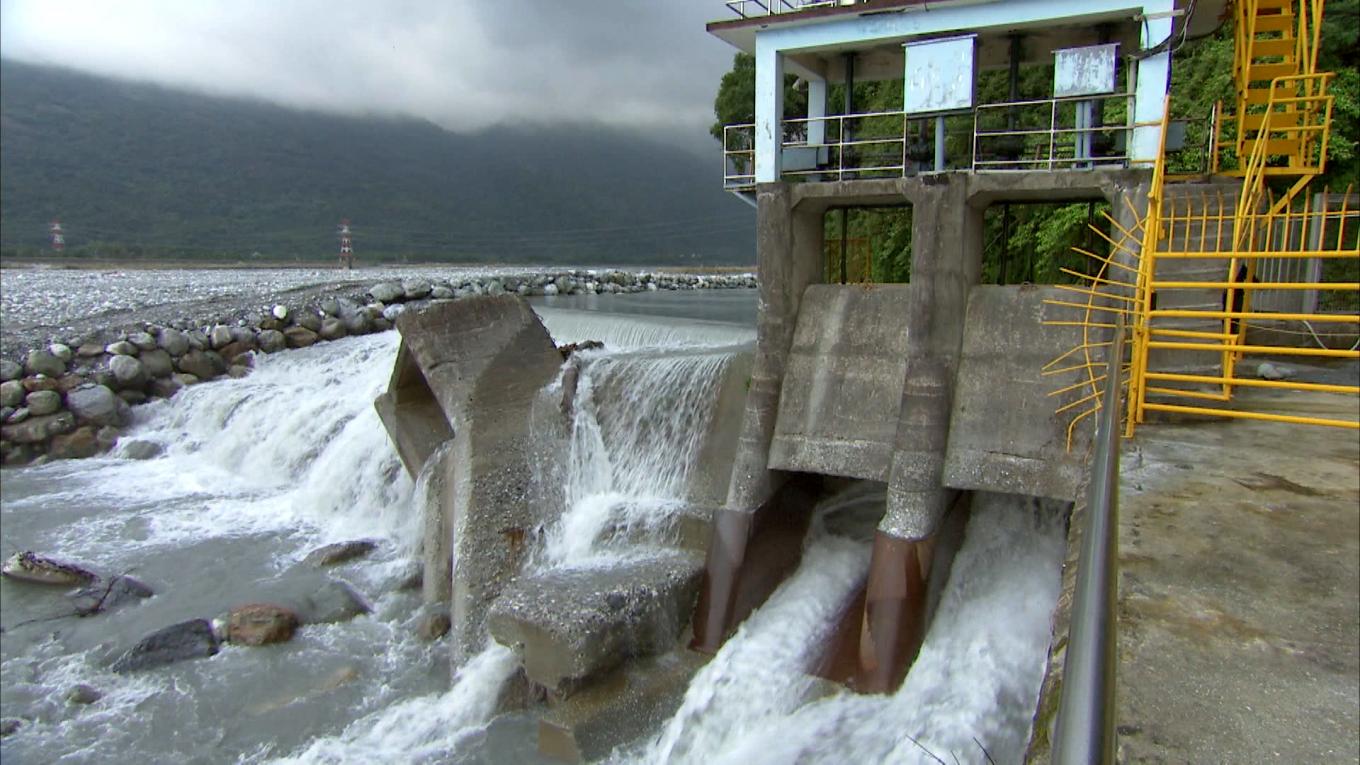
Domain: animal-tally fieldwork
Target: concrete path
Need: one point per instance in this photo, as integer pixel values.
(1239, 590)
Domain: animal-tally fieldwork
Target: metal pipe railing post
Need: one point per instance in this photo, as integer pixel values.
(1086, 712)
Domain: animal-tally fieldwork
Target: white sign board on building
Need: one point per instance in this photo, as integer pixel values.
(1085, 71)
(939, 75)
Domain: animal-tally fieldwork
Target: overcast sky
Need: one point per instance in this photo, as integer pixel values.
(463, 64)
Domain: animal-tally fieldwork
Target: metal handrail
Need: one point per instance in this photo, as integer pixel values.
(1086, 712)
(775, 7)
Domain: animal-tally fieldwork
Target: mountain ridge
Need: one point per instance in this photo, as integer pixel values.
(141, 169)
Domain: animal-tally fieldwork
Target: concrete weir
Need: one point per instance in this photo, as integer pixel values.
(932, 388)
(561, 519)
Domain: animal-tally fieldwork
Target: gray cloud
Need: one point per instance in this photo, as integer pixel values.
(644, 65)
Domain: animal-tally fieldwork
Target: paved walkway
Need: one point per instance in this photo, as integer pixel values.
(1239, 590)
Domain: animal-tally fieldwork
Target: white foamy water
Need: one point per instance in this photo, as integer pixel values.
(425, 728)
(639, 421)
(973, 686)
(632, 332)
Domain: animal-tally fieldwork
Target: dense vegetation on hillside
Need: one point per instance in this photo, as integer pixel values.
(137, 170)
(1034, 242)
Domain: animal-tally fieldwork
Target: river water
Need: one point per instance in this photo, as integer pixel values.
(257, 472)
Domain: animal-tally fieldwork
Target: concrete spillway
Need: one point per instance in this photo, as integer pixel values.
(591, 570)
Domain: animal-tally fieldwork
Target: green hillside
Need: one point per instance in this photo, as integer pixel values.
(137, 170)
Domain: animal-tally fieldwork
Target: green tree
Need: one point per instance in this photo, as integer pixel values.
(736, 100)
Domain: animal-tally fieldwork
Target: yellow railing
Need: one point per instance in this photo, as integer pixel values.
(1230, 244)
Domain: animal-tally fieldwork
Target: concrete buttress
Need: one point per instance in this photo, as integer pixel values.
(471, 369)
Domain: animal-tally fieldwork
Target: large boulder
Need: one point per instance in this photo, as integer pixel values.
(260, 624)
(106, 596)
(415, 289)
(204, 365)
(10, 370)
(386, 292)
(12, 393)
(69, 382)
(76, 445)
(187, 640)
(220, 337)
(96, 404)
(128, 371)
(41, 402)
(173, 342)
(235, 350)
(357, 323)
(299, 337)
(34, 430)
(39, 382)
(157, 363)
(272, 340)
(121, 348)
(143, 340)
(308, 319)
(332, 329)
(340, 552)
(316, 598)
(28, 566)
(44, 363)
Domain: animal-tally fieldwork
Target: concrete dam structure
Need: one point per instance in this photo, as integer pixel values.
(615, 516)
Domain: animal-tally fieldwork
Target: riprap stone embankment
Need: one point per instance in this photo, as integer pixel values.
(70, 398)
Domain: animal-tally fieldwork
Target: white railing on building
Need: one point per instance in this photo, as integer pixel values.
(1070, 133)
(751, 9)
(1044, 134)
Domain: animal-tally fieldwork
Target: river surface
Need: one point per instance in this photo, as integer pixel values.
(256, 472)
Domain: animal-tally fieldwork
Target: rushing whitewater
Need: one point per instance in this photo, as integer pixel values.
(969, 696)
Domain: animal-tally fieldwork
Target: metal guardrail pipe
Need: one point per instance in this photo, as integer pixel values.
(1085, 728)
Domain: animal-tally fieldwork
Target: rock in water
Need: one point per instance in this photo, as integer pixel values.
(28, 566)
(434, 625)
(260, 624)
(142, 450)
(187, 640)
(9, 726)
(329, 555)
(83, 694)
(78, 444)
(332, 601)
(105, 596)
